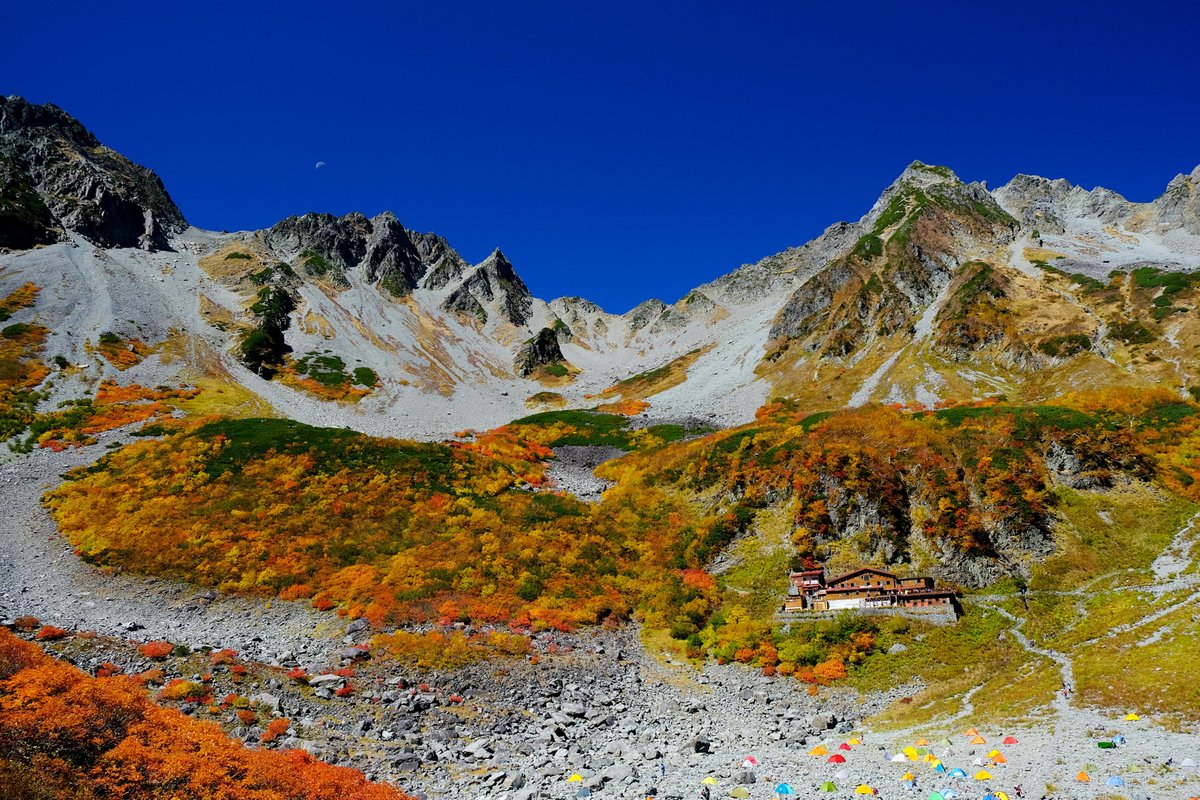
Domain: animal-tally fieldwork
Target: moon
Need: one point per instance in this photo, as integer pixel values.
(319, 165)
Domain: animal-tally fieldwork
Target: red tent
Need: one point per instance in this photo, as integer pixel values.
(843, 746)
(837, 759)
(1010, 740)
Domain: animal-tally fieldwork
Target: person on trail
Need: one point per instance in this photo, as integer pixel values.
(1018, 791)
(704, 792)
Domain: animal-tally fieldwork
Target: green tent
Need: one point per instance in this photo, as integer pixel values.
(936, 796)
(921, 751)
(942, 742)
(740, 792)
(828, 786)
(1105, 745)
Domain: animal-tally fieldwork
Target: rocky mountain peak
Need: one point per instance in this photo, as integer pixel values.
(56, 176)
(494, 284)
(1179, 205)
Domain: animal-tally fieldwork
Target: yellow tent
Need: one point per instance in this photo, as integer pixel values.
(922, 742)
(979, 740)
(854, 741)
(970, 732)
(983, 775)
(1001, 796)
(930, 758)
(864, 789)
(935, 763)
(576, 778)
(911, 753)
(1083, 777)
(993, 753)
(710, 780)
(908, 776)
(1131, 717)
(819, 750)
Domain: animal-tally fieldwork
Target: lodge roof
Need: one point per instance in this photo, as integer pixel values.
(861, 570)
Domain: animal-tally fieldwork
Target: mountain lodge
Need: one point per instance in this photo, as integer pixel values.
(864, 588)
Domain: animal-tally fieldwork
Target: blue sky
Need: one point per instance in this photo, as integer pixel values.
(613, 150)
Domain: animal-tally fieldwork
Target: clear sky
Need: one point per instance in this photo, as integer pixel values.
(613, 150)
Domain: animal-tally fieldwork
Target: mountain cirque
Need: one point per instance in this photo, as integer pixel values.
(871, 310)
(943, 291)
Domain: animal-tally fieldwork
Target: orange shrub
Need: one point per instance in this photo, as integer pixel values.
(275, 728)
(26, 623)
(246, 716)
(220, 657)
(50, 633)
(156, 650)
(69, 736)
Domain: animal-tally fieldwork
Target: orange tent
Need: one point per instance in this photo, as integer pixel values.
(970, 732)
(1083, 777)
(978, 740)
(922, 742)
(999, 759)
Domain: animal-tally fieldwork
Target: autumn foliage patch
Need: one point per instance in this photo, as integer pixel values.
(72, 737)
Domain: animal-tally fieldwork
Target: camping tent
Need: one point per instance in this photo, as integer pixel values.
(784, 788)
(576, 778)
(1083, 777)
(819, 750)
(710, 780)
(957, 773)
(843, 746)
(1011, 740)
(993, 753)
(1188, 762)
(922, 742)
(828, 786)
(999, 759)
(836, 758)
(1118, 740)
(1115, 780)
(979, 740)
(911, 753)
(854, 740)
(1105, 745)
(937, 796)
(1131, 717)
(740, 792)
(970, 732)
(899, 758)
(939, 767)
(983, 775)
(864, 789)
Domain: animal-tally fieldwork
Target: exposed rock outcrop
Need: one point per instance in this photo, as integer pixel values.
(55, 175)
(539, 351)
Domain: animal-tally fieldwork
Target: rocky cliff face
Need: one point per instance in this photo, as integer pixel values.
(56, 176)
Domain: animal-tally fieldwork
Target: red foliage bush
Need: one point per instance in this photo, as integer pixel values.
(345, 691)
(246, 716)
(26, 623)
(49, 633)
(156, 650)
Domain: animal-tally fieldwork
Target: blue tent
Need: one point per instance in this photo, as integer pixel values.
(1115, 780)
(784, 788)
(957, 773)
(1118, 739)
(940, 767)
